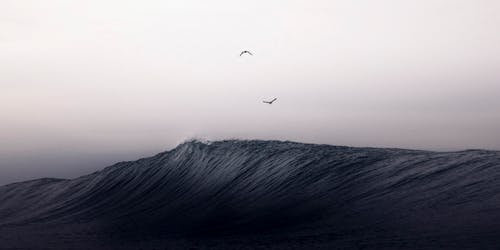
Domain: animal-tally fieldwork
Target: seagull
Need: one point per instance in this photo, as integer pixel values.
(246, 52)
(270, 102)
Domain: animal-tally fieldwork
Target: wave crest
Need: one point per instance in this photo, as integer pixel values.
(233, 185)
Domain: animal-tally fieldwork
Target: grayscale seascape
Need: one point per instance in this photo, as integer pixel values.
(264, 195)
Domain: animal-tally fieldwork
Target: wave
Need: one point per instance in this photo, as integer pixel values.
(238, 186)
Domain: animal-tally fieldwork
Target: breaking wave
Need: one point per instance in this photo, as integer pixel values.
(253, 186)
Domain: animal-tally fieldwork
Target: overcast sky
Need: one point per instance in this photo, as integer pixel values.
(86, 83)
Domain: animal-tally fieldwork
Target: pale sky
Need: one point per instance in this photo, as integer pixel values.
(84, 84)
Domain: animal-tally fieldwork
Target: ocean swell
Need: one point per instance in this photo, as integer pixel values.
(254, 186)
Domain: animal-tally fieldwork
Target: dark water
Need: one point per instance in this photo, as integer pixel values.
(264, 195)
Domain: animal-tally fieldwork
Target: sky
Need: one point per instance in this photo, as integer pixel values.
(84, 84)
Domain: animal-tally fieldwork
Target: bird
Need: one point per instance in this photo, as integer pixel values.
(270, 102)
(246, 52)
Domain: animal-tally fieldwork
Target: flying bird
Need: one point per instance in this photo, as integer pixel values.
(270, 102)
(246, 52)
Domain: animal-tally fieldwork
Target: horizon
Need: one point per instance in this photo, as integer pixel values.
(208, 142)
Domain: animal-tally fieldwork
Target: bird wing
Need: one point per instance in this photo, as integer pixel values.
(274, 100)
(247, 52)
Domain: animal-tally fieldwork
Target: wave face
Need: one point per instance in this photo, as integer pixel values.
(249, 187)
